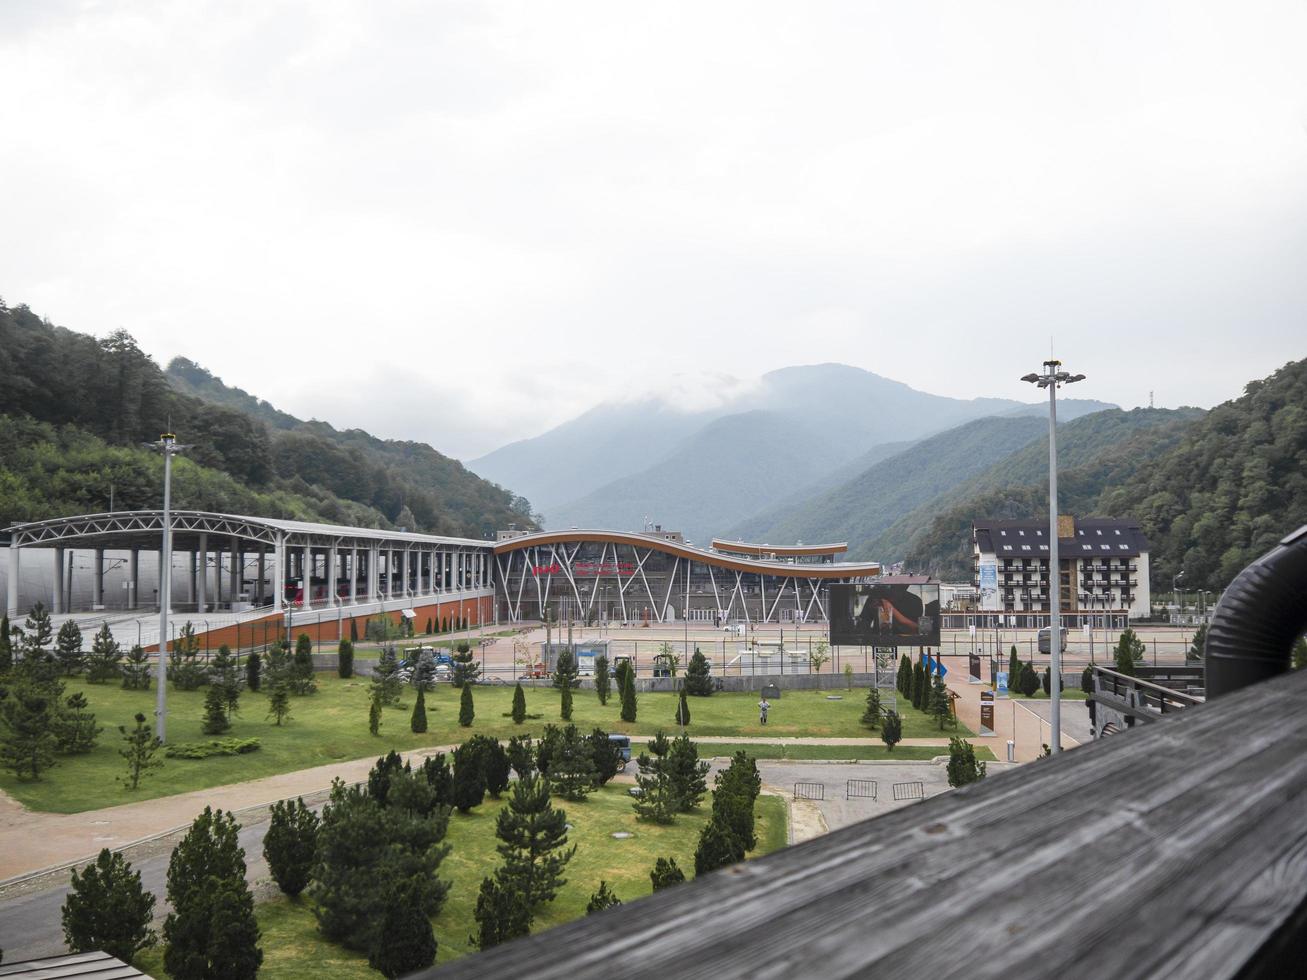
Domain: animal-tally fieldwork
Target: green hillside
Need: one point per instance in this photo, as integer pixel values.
(74, 411)
(1098, 443)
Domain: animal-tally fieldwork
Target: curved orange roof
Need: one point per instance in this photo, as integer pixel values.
(750, 548)
(830, 570)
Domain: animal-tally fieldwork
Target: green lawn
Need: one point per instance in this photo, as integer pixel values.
(293, 950)
(762, 750)
(331, 726)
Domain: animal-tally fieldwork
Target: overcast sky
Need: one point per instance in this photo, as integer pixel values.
(467, 222)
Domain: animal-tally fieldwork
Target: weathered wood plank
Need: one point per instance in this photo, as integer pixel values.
(1176, 849)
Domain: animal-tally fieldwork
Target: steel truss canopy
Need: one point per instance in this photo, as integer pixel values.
(144, 528)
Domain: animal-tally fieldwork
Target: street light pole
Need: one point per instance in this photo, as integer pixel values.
(167, 445)
(1052, 379)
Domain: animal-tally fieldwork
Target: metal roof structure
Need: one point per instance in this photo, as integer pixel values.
(753, 548)
(1117, 537)
(76, 966)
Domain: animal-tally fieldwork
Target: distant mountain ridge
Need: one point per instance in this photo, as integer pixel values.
(797, 427)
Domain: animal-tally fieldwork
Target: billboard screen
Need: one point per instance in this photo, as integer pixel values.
(885, 615)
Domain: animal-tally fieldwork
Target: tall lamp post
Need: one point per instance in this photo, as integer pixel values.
(169, 446)
(1052, 379)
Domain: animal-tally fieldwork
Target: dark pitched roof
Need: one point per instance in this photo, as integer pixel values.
(77, 966)
(1119, 537)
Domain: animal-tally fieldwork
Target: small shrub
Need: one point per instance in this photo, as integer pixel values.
(211, 748)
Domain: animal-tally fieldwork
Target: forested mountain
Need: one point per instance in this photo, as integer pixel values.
(814, 420)
(1094, 453)
(862, 507)
(74, 411)
(1087, 442)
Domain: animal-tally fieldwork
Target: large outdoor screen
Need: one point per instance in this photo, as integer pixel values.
(884, 615)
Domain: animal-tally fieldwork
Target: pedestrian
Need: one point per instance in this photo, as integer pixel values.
(763, 707)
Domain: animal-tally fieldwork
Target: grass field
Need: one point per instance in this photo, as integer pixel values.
(331, 726)
(799, 752)
(293, 950)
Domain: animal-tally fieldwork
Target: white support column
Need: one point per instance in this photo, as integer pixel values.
(403, 572)
(97, 579)
(260, 596)
(58, 597)
(217, 577)
(372, 573)
(11, 605)
(192, 583)
(307, 577)
(68, 589)
(333, 575)
(133, 578)
(353, 575)
(202, 592)
(237, 570)
(278, 575)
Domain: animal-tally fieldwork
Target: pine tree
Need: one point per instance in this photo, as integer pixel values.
(345, 659)
(571, 768)
(440, 778)
(68, 648)
(6, 646)
(225, 675)
(519, 704)
(871, 717)
(657, 801)
(107, 909)
(602, 899)
(469, 787)
(532, 837)
(136, 669)
(278, 703)
(718, 847)
(891, 730)
(418, 723)
(733, 800)
(682, 710)
(1046, 681)
(211, 930)
(142, 744)
(386, 686)
(500, 914)
(565, 671)
(521, 754)
(405, 943)
(290, 844)
(185, 670)
(905, 677)
(1197, 646)
(466, 709)
(37, 633)
(374, 716)
(382, 774)
(602, 680)
(607, 757)
(698, 681)
(102, 664)
(665, 873)
(253, 671)
(689, 776)
(941, 705)
(1029, 680)
(1129, 652)
(1013, 670)
(628, 696)
(75, 730)
(301, 669)
(565, 708)
(463, 671)
(27, 737)
(962, 765)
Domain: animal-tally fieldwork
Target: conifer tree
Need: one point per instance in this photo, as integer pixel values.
(941, 705)
(1129, 652)
(253, 671)
(565, 671)
(602, 680)
(142, 744)
(737, 789)
(891, 730)
(225, 675)
(136, 669)
(405, 942)
(521, 754)
(466, 709)
(418, 722)
(657, 801)
(68, 648)
(374, 716)
(519, 704)
(717, 848)
(628, 696)
(682, 710)
(215, 712)
(533, 838)
(278, 702)
(602, 899)
(185, 670)
(102, 663)
(345, 659)
(1013, 670)
(440, 778)
(689, 776)
(27, 738)
(962, 765)
(382, 773)
(500, 914)
(871, 717)
(469, 786)
(107, 909)
(607, 757)
(301, 670)
(698, 680)
(386, 687)
(75, 730)
(905, 677)
(571, 768)
(1195, 654)
(6, 645)
(665, 873)
(37, 633)
(290, 844)
(211, 930)
(464, 671)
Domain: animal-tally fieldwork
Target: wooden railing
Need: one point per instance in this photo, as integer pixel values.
(1176, 849)
(1124, 691)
